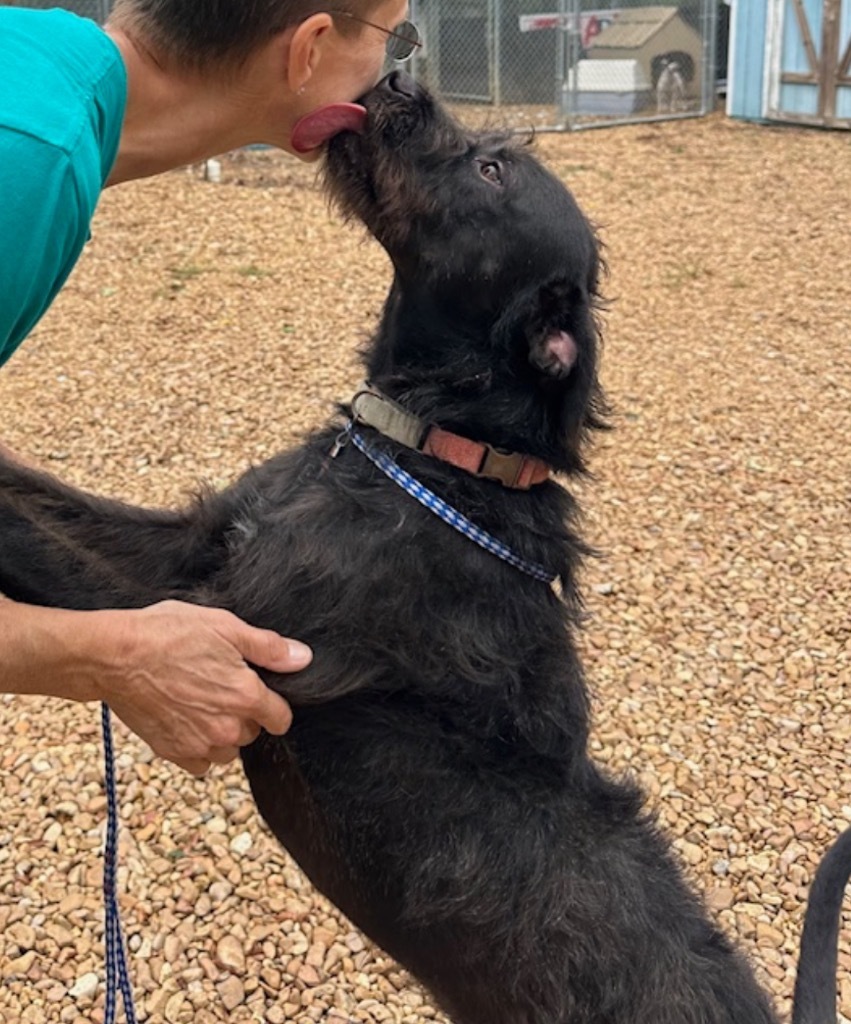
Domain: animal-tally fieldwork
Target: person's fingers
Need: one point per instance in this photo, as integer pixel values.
(300, 656)
(195, 766)
(227, 711)
(267, 649)
(273, 712)
(248, 733)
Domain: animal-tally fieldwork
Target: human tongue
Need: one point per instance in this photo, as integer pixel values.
(317, 127)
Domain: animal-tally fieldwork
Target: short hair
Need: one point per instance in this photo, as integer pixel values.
(203, 33)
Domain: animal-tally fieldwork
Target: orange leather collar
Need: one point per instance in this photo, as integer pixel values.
(475, 457)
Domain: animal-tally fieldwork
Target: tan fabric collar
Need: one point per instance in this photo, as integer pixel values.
(510, 469)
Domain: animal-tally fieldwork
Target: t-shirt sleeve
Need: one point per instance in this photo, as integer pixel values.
(43, 228)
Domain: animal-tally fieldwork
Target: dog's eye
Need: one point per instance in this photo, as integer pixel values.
(491, 171)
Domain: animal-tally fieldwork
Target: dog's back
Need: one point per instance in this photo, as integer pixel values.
(436, 784)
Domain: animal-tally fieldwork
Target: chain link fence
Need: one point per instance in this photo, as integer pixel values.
(561, 64)
(554, 64)
(97, 10)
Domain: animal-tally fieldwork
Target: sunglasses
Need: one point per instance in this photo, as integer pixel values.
(402, 41)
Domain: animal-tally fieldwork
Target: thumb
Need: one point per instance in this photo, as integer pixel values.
(195, 766)
(269, 650)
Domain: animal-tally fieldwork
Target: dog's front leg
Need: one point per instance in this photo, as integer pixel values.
(62, 547)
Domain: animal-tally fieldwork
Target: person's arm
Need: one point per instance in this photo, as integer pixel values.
(175, 673)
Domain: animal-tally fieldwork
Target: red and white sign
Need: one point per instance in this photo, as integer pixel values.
(591, 23)
(536, 22)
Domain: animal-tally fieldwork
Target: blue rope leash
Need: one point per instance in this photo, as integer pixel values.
(117, 975)
(446, 512)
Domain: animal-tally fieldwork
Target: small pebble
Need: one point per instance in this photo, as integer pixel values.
(85, 986)
(231, 992)
(241, 844)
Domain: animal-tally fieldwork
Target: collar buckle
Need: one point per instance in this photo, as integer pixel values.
(504, 467)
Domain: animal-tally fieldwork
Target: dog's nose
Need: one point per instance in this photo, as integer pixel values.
(401, 83)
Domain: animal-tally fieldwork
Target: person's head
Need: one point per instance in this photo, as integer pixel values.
(306, 52)
(224, 33)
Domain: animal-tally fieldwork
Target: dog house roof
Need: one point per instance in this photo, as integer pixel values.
(633, 28)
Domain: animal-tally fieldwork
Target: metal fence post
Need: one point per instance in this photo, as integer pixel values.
(496, 51)
(562, 97)
(710, 54)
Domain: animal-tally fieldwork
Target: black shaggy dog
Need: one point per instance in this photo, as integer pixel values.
(436, 783)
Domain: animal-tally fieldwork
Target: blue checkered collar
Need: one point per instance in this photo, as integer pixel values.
(451, 516)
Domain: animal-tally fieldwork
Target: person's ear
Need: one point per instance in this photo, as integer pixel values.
(305, 48)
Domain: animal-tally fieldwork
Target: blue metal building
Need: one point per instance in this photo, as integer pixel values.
(790, 60)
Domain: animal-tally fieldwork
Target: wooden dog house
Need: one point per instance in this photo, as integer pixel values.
(653, 37)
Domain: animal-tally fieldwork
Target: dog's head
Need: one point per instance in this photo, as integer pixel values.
(496, 273)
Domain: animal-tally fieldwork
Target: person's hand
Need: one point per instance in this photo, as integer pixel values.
(176, 674)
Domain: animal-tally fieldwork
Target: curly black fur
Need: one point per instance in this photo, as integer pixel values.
(436, 783)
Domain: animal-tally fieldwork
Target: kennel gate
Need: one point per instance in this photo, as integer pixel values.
(560, 64)
(554, 64)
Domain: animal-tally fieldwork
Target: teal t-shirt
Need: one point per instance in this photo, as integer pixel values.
(63, 92)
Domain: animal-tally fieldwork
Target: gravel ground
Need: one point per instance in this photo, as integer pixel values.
(208, 325)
